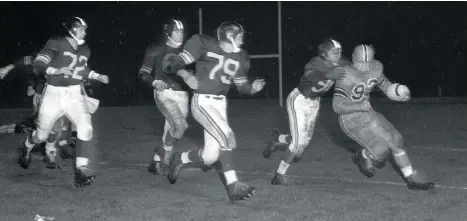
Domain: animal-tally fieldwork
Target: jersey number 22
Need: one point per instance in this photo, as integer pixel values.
(74, 60)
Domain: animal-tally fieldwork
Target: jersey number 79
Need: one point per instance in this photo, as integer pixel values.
(225, 69)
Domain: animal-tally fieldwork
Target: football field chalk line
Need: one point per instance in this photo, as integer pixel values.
(347, 180)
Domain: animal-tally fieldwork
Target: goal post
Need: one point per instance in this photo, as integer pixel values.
(278, 55)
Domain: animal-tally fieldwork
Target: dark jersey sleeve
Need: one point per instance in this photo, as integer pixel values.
(241, 79)
(318, 69)
(192, 51)
(46, 55)
(148, 64)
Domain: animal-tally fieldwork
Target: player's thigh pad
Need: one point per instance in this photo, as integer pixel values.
(387, 130)
(212, 115)
(362, 128)
(169, 106)
(302, 113)
(79, 115)
(50, 110)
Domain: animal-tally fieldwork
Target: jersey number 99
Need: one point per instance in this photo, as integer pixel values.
(227, 68)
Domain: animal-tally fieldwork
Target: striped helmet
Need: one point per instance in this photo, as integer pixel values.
(171, 26)
(363, 53)
(327, 45)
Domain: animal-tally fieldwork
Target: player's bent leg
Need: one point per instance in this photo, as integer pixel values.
(302, 114)
(49, 113)
(357, 127)
(167, 102)
(396, 144)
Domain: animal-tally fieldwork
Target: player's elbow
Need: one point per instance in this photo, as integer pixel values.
(244, 89)
(173, 64)
(39, 66)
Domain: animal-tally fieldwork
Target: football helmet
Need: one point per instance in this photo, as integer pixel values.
(362, 56)
(170, 27)
(76, 28)
(231, 32)
(363, 53)
(329, 45)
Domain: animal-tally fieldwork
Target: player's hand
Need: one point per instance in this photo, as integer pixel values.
(103, 78)
(159, 85)
(166, 63)
(65, 71)
(5, 70)
(257, 85)
(192, 82)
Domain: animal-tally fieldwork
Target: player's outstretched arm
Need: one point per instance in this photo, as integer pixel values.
(5, 70)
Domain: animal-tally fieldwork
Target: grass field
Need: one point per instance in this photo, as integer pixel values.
(326, 185)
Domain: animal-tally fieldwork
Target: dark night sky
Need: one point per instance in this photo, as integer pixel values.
(421, 44)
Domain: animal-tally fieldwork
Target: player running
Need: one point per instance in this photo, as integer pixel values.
(219, 63)
(64, 61)
(170, 93)
(303, 104)
(378, 137)
(35, 89)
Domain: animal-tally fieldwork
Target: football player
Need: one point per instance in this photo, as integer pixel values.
(220, 63)
(378, 137)
(170, 93)
(64, 61)
(35, 88)
(303, 105)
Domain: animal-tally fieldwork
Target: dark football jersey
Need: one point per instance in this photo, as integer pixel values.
(216, 70)
(151, 69)
(314, 82)
(59, 53)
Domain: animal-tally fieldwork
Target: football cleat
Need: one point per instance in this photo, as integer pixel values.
(84, 176)
(272, 145)
(279, 179)
(175, 167)
(365, 165)
(64, 153)
(155, 167)
(24, 156)
(414, 182)
(239, 191)
(49, 160)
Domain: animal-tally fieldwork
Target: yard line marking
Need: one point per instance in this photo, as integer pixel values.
(348, 180)
(439, 148)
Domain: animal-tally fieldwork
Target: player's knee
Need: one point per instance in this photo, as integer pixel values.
(380, 155)
(398, 141)
(231, 140)
(180, 127)
(84, 132)
(210, 157)
(40, 136)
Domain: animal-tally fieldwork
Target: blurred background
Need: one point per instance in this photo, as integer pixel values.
(421, 44)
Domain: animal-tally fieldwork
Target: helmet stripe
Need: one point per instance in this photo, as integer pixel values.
(365, 53)
(83, 23)
(336, 44)
(179, 24)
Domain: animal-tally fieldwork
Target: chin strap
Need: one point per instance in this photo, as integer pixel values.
(235, 46)
(177, 44)
(79, 41)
